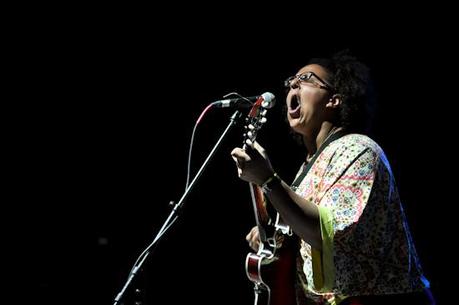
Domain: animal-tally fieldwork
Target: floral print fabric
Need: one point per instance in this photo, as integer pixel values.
(372, 250)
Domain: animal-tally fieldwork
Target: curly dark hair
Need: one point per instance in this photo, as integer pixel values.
(351, 79)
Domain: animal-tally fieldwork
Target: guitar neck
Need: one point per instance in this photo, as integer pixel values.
(261, 213)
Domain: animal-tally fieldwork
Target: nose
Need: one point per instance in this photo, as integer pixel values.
(294, 83)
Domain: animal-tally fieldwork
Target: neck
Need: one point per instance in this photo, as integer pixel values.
(318, 137)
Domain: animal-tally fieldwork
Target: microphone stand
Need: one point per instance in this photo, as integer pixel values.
(175, 210)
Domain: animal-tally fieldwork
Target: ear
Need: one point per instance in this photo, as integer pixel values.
(335, 101)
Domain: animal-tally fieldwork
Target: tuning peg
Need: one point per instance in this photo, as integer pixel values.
(263, 120)
(249, 142)
(251, 127)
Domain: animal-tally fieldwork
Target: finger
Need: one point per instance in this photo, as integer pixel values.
(240, 154)
(235, 159)
(260, 148)
(251, 233)
(256, 235)
(255, 245)
(253, 239)
(237, 152)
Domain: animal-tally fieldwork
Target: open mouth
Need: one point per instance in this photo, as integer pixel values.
(294, 107)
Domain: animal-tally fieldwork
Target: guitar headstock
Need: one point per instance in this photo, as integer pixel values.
(257, 117)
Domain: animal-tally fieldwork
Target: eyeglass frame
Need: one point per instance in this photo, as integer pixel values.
(302, 78)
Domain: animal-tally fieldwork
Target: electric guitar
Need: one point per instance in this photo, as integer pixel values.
(272, 269)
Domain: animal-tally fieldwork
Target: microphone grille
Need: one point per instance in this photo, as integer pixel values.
(269, 100)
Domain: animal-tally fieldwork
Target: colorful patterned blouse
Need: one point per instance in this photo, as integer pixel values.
(367, 248)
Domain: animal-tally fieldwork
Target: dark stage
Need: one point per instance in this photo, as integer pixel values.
(108, 152)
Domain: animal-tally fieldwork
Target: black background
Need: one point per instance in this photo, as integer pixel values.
(106, 137)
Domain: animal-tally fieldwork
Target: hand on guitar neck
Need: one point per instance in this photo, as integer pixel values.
(253, 164)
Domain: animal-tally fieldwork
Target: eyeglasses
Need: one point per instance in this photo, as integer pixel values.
(308, 77)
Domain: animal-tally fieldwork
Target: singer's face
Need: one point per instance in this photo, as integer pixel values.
(306, 101)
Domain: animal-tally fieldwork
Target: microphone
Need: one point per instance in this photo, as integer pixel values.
(268, 101)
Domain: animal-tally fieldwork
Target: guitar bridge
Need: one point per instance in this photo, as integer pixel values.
(281, 226)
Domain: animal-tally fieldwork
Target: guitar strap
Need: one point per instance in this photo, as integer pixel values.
(307, 166)
(280, 224)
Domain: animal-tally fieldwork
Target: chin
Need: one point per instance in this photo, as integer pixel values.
(296, 127)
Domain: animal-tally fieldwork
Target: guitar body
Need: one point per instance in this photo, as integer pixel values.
(273, 276)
